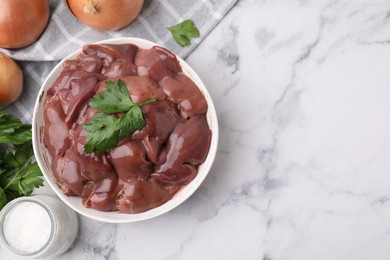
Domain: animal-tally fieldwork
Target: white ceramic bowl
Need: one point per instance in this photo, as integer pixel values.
(44, 159)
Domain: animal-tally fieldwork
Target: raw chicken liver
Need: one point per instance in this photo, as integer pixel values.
(146, 168)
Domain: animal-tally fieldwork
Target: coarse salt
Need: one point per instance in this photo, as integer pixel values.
(27, 227)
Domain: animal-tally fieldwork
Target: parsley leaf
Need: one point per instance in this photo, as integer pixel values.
(20, 155)
(3, 198)
(106, 130)
(13, 131)
(19, 175)
(103, 133)
(183, 31)
(132, 121)
(8, 122)
(26, 180)
(114, 100)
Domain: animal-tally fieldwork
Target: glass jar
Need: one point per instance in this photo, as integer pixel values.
(39, 226)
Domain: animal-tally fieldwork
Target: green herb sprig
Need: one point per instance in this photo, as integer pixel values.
(19, 174)
(183, 32)
(106, 130)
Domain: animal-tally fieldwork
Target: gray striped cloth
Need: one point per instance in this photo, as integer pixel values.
(65, 34)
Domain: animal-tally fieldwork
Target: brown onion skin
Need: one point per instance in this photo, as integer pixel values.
(108, 14)
(11, 80)
(22, 22)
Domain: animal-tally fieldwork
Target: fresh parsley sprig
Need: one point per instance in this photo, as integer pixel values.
(106, 130)
(19, 174)
(183, 32)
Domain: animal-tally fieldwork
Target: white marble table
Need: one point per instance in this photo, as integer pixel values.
(302, 91)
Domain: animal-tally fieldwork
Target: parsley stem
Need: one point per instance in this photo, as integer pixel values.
(14, 178)
(147, 102)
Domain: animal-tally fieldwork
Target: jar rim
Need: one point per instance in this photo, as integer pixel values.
(53, 228)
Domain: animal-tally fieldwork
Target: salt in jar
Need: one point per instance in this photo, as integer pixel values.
(39, 226)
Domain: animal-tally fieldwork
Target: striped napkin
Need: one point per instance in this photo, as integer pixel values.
(65, 34)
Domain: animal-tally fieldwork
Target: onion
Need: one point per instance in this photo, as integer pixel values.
(11, 80)
(105, 14)
(22, 21)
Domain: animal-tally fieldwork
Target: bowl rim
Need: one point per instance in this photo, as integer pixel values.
(114, 216)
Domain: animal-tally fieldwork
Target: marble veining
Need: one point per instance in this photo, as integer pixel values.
(228, 53)
(302, 94)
